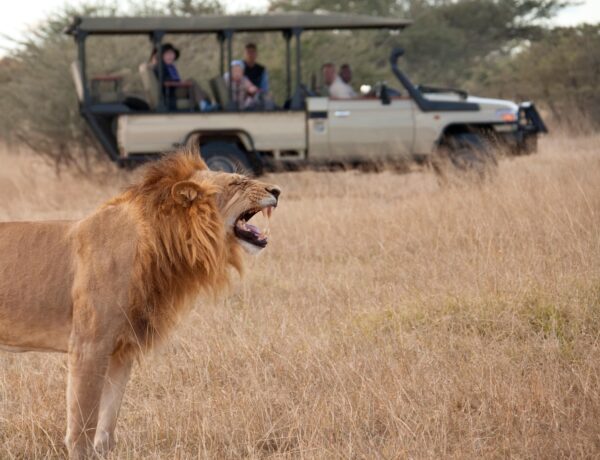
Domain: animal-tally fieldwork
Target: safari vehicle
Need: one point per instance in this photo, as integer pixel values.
(382, 124)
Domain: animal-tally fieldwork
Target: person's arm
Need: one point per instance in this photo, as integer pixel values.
(337, 91)
(351, 93)
(249, 87)
(264, 82)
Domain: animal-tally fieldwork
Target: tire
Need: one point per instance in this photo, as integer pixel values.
(467, 153)
(226, 157)
(530, 145)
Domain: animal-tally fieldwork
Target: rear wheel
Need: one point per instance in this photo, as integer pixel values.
(226, 156)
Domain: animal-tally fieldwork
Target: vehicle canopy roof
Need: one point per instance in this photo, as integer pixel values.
(239, 23)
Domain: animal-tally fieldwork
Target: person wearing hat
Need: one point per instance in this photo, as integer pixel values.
(170, 54)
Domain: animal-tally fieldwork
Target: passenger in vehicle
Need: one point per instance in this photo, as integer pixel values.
(170, 54)
(335, 86)
(346, 74)
(244, 91)
(254, 71)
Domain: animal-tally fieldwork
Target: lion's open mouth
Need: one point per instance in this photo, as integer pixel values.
(251, 233)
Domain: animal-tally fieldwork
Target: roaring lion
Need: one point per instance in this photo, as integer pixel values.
(109, 287)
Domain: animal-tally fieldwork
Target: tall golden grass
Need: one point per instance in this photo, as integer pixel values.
(389, 318)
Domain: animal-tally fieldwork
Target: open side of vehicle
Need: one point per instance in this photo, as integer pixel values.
(383, 124)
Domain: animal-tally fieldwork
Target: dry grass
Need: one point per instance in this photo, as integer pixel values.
(390, 318)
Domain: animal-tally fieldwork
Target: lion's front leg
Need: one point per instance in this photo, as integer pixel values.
(112, 395)
(87, 371)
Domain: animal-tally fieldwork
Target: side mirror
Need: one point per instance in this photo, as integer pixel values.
(384, 95)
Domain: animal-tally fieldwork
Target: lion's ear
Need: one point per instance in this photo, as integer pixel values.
(193, 144)
(192, 147)
(185, 192)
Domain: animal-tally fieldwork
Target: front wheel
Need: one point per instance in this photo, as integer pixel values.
(467, 153)
(226, 157)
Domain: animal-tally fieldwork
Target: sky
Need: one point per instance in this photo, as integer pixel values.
(18, 16)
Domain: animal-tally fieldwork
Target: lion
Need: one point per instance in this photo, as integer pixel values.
(111, 286)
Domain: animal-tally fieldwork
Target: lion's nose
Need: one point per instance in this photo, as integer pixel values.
(275, 191)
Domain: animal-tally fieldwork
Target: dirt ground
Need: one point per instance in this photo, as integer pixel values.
(390, 317)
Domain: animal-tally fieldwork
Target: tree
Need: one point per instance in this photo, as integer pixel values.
(38, 105)
(447, 40)
(561, 70)
(497, 46)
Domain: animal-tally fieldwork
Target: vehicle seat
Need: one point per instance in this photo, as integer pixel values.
(152, 90)
(103, 96)
(150, 84)
(220, 91)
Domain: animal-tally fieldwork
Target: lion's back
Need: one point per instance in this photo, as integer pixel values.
(36, 276)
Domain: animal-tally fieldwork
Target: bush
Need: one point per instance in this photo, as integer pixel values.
(562, 71)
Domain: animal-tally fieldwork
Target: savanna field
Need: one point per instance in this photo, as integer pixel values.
(390, 317)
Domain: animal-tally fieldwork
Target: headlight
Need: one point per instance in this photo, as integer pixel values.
(507, 115)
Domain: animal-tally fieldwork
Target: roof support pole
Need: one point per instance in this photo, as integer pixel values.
(81, 37)
(221, 38)
(157, 37)
(287, 34)
(297, 32)
(228, 36)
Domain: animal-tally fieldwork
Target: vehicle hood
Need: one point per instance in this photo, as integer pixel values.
(484, 103)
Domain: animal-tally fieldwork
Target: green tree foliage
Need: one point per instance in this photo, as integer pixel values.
(447, 40)
(561, 70)
(38, 108)
(450, 39)
(38, 105)
(498, 47)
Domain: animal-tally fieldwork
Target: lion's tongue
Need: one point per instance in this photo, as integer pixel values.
(252, 228)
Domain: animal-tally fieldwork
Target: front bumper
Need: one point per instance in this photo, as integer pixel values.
(521, 137)
(530, 124)
(530, 120)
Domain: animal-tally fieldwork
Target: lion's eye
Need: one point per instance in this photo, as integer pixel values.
(239, 183)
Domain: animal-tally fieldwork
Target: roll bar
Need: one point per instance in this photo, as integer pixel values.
(425, 104)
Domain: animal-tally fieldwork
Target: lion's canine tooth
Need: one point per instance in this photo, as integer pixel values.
(269, 211)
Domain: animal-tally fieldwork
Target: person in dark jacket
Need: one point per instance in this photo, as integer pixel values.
(253, 71)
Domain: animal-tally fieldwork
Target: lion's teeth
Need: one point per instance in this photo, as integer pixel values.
(269, 211)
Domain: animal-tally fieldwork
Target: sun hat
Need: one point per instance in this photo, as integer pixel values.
(167, 47)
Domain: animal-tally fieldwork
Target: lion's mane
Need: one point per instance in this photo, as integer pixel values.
(181, 250)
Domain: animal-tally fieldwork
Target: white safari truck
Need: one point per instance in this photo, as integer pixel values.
(384, 123)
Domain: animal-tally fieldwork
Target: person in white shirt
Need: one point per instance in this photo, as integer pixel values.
(336, 87)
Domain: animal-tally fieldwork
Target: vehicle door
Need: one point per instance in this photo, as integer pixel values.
(366, 128)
